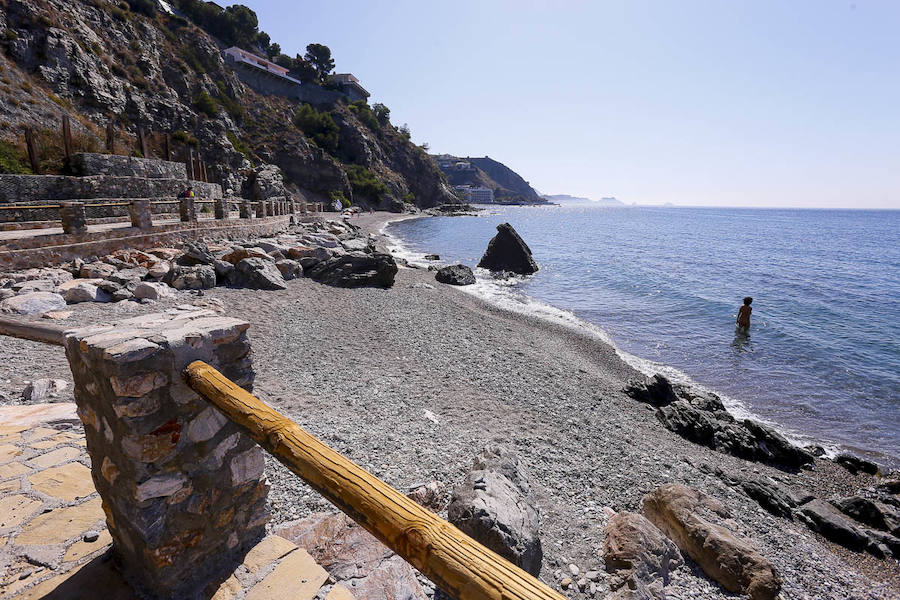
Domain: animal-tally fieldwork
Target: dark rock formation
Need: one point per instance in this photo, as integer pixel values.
(637, 553)
(508, 252)
(732, 561)
(870, 512)
(854, 464)
(824, 518)
(197, 277)
(356, 269)
(258, 274)
(196, 253)
(455, 275)
(290, 269)
(494, 507)
(657, 392)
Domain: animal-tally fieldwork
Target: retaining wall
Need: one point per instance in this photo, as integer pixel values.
(41, 188)
(88, 163)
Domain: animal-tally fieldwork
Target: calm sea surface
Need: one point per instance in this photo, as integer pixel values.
(822, 359)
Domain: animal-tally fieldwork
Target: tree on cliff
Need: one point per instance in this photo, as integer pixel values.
(319, 55)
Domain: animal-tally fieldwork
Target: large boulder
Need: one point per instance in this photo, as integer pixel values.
(196, 253)
(290, 269)
(44, 390)
(152, 291)
(638, 555)
(86, 292)
(871, 512)
(97, 270)
(493, 505)
(455, 275)
(732, 561)
(258, 274)
(239, 254)
(351, 554)
(827, 520)
(356, 269)
(657, 391)
(508, 252)
(197, 277)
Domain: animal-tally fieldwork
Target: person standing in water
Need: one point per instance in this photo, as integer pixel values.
(743, 318)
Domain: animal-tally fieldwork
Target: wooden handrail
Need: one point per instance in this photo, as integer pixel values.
(455, 562)
(30, 330)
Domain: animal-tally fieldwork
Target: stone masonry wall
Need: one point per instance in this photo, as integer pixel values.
(87, 163)
(183, 488)
(41, 188)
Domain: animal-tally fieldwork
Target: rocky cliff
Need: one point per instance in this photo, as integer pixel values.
(508, 185)
(138, 66)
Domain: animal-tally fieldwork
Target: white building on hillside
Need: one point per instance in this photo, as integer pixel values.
(476, 194)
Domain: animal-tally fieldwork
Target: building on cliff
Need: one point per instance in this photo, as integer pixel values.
(268, 78)
(476, 194)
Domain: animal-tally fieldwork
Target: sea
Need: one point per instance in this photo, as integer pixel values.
(821, 361)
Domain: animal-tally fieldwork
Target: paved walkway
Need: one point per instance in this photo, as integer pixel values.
(53, 538)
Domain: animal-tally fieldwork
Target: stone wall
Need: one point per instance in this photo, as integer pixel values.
(99, 208)
(43, 188)
(269, 84)
(87, 163)
(183, 488)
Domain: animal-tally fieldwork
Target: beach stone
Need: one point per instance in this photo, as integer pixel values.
(239, 254)
(195, 253)
(223, 270)
(126, 276)
(350, 553)
(431, 495)
(455, 275)
(359, 244)
(39, 285)
(507, 251)
(775, 498)
(733, 562)
(637, 552)
(33, 303)
(823, 518)
(269, 247)
(198, 277)
(86, 292)
(152, 291)
(854, 464)
(97, 270)
(356, 269)
(290, 269)
(872, 513)
(318, 253)
(658, 391)
(43, 390)
(159, 269)
(493, 505)
(257, 273)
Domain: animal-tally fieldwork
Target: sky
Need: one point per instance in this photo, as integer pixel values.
(722, 103)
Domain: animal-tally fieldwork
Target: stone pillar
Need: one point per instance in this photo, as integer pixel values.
(246, 209)
(220, 208)
(271, 207)
(292, 205)
(183, 488)
(187, 209)
(72, 216)
(139, 211)
(261, 209)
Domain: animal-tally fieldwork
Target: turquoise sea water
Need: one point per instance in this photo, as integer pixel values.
(822, 359)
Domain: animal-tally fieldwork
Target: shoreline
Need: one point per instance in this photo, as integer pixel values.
(363, 368)
(647, 367)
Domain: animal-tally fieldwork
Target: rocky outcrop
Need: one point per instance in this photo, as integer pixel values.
(702, 418)
(257, 273)
(197, 277)
(638, 555)
(455, 275)
(507, 251)
(493, 506)
(356, 269)
(32, 303)
(827, 520)
(351, 554)
(733, 562)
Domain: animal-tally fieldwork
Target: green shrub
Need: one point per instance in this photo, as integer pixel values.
(318, 126)
(365, 114)
(44, 21)
(404, 131)
(184, 137)
(409, 198)
(340, 197)
(204, 103)
(9, 35)
(13, 160)
(238, 144)
(365, 182)
(234, 108)
(382, 113)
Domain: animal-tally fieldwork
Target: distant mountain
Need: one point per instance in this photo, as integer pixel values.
(567, 199)
(509, 187)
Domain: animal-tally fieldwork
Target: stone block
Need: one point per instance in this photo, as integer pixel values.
(72, 216)
(139, 211)
(182, 486)
(246, 209)
(187, 209)
(220, 208)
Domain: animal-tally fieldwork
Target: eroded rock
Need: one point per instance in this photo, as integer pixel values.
(638, 554)
(507, 251)
(356, 269)
(455, 275)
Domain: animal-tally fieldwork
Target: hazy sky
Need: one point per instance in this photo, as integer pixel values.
(752, 103)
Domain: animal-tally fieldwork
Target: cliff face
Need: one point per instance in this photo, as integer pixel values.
(97, 62)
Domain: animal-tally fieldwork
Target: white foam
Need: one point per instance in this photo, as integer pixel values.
(503, 294)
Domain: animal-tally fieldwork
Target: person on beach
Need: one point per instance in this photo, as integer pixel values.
(188, 193)
(743, 317)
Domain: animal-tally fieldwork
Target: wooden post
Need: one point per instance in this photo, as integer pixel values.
(167, 147)
(191, 164)
(33, 156)
(458, 564)
(110, 138)
(67, 136)
(142, 141)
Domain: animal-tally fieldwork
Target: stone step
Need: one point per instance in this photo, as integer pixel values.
(50, 188)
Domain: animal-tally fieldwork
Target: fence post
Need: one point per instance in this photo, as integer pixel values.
(183, 488)
(33, 156)
(142, 141)
(139, 211)
(220, 208)
(245, 208)
(187, 210)
(261, 209)
(110, 138)
(190, 163)
(67, 136)
(72, 216)
(167, 146)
